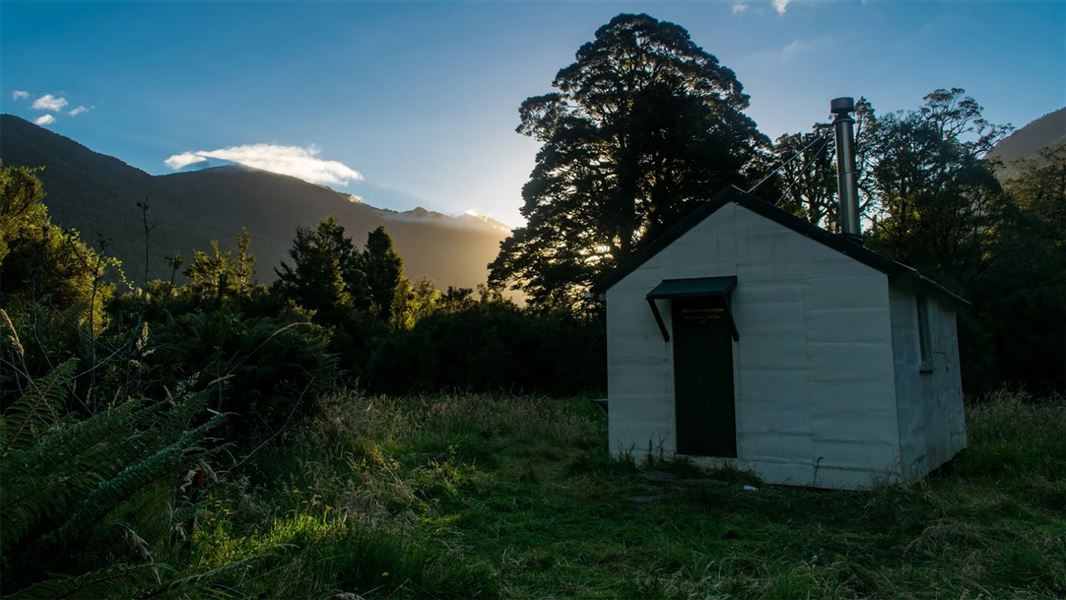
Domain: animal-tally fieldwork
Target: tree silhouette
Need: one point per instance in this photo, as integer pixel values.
(1018, 301)
(221, 274)
(808, 178)
(935, 199)
(644, 126)
(325, 270)
(382, 268)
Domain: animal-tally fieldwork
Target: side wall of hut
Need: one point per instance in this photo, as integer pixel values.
(813, 369)
(932, 422)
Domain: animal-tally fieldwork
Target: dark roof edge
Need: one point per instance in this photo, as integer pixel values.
(839, 243)
(665, 239)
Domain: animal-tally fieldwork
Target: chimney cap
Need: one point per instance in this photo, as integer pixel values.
(842, 106)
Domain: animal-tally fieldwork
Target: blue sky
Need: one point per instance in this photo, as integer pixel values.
(421, 99)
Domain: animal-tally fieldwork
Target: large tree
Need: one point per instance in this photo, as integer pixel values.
(807, 176)
(927, 195)
(936, 201)
(645, 125)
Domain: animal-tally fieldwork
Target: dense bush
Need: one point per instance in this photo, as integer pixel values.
(269, 370)
(492, 346)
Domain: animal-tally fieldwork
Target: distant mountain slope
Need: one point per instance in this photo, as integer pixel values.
(1026, 142)
(98, 194)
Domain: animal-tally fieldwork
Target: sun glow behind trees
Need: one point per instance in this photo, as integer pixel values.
(644, 125)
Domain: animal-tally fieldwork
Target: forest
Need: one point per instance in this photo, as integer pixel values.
(347, 432)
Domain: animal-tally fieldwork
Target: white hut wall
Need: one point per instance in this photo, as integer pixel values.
(813, 370)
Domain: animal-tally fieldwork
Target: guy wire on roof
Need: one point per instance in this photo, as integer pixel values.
(824, 134)
(824, 145)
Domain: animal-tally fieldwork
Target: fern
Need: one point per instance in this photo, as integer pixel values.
(36, 410)
(67, 463)
(70, 485)
(113, 492)
(110, 582)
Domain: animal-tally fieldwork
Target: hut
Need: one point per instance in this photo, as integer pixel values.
(748, 337)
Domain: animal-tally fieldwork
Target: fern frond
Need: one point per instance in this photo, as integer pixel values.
(133, 478)
(68, 484)
(29, 501)
(37, 409)
(64, 444)
(63, 467)
(184, 412)
(118, 581)
(111, 493)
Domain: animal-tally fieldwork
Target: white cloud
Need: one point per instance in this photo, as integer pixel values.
(797, 47)
(296, 161)
(49, 102)
(781, 6)
(180, 161)
(78, 110)
(20, 95)
(740, 7)
(45, 120)
(795, 51)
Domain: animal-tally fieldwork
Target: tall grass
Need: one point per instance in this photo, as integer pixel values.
(516, 496)
(1016, 437)
(482, 496)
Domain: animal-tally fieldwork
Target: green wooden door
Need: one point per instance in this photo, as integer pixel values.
(703, 378)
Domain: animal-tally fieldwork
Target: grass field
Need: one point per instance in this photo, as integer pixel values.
(505, 496)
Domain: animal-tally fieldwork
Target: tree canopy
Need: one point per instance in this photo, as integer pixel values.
(382, 270)
(643, 127)
(325, 275)
(936, 201)
(931, 198)
(333, 277)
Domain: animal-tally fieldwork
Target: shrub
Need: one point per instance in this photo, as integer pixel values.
(273, 368)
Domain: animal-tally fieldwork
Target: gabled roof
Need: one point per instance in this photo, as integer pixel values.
(735, 195)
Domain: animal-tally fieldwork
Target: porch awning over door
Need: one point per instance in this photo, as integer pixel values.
(715, 288)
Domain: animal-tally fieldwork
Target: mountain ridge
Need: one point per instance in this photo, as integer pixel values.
(1027, 141)
(97, 194)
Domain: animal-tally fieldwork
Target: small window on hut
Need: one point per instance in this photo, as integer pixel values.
(924, 349)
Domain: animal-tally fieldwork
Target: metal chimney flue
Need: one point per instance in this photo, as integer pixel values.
(847, 178)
